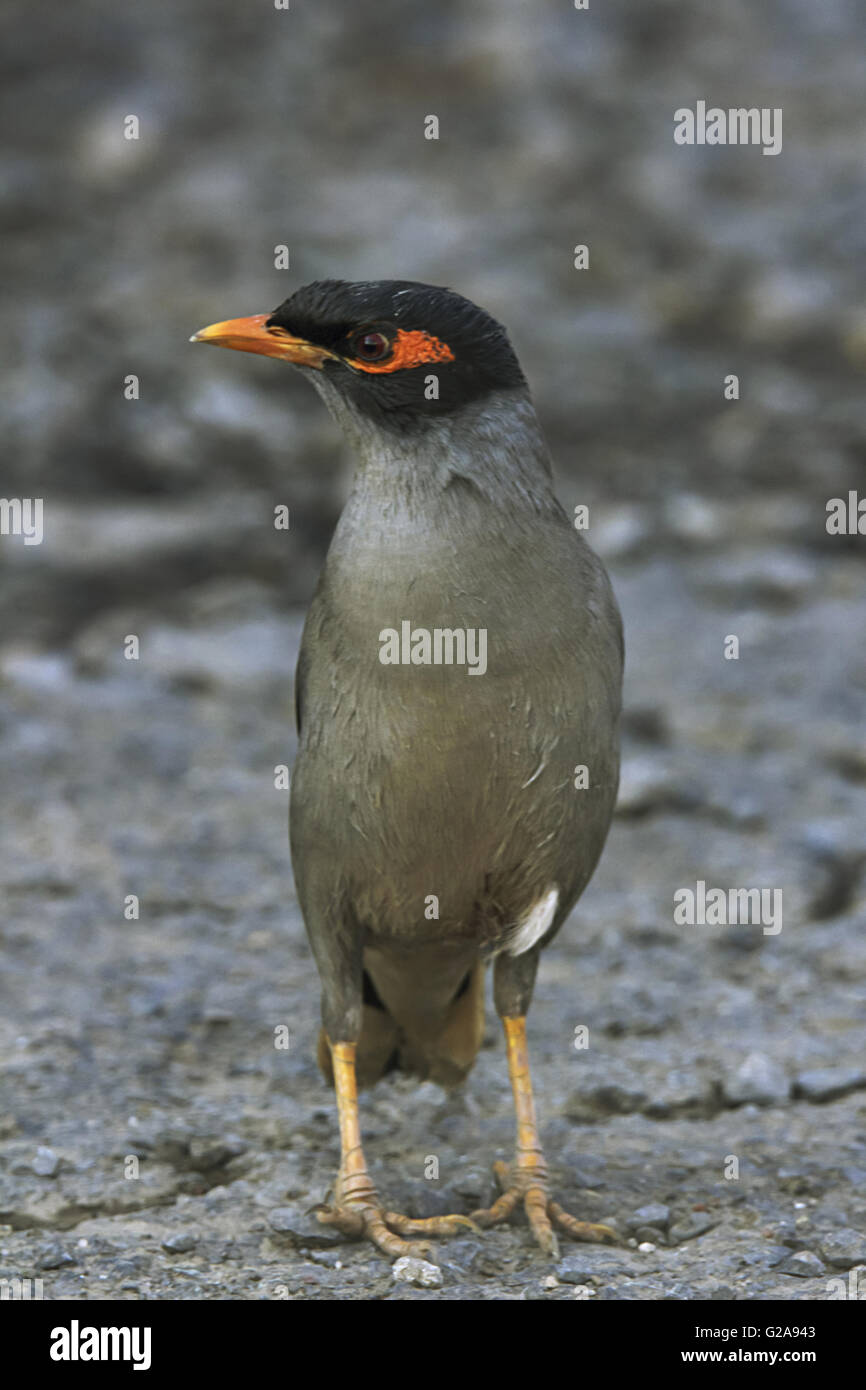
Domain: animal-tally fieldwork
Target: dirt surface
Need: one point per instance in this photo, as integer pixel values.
(155, 1141)
(155, 1038)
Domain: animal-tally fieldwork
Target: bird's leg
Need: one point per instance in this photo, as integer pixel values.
(357, 1209)
(526, 1180)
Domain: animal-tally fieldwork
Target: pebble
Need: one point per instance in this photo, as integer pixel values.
(648, 1233)
(653, 1214)
(828, 1083)
(214, 1153)
(696, 1224)
(681, 1092)
(53, 1257)
(610, 1098)
(844, 1248)
(645, 785)
(179, 1244)
(410, 1270)
(303, 1228)
(758, 1079)
(46, 1164)
(804, 1264)
(773, 1255)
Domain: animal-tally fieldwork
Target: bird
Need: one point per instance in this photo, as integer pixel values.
(458, 694)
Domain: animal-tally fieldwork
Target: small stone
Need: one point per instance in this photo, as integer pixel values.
(53, 1257)
(758, 1079)
(844, 1248)
(302, 1228)
(775, 1254)
(652, 1214)
(474, 1186)
(459, 1254)
(696, 1224)
(205, 1154)
(645, 785)
(551, 1282)
(46, 1164)
(680, 1092)
(607, 1098)
(646, 1247)
(179, 1244)
(409, 1270)
(828, 1083)
(648, 1233)
(804, 1264)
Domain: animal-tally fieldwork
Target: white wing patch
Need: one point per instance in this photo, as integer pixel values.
(534, 925)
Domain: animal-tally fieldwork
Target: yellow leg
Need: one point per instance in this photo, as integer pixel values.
(526, 1181)
(357, 1210)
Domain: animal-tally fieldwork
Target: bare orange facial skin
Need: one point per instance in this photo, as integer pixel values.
(410, 349)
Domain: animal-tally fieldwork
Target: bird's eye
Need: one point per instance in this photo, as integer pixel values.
(371, 347)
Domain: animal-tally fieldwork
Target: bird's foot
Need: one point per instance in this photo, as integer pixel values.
(528, 1185)
(358, 1212)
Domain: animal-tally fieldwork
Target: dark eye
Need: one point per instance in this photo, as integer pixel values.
(371, 347)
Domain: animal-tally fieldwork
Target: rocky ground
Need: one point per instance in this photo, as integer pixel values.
(154, 1039)
(154, 1142)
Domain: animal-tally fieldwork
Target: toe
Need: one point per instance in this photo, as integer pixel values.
(580, 1230)
(500, 1211)
(429, 1225)
(376, 1229)
(535, 1204)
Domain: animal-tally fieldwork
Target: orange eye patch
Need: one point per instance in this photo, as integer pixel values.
(409, 349)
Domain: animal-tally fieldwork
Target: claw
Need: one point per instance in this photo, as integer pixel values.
(429, 1225)
(542, 1213)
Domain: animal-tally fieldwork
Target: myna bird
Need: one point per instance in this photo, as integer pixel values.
(458, 699)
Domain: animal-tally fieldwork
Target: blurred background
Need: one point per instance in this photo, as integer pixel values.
(147, 1027)
(304, 127)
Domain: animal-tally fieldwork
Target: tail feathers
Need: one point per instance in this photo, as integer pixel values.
(444, 1053)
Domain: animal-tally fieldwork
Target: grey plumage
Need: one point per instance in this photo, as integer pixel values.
(413, 781)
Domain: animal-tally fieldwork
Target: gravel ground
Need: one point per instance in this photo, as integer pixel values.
(155, 1038)
(154, 1141)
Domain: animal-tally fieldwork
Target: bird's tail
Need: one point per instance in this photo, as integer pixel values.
(441, 1051)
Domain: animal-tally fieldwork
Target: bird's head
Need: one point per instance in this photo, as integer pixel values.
(394, 351)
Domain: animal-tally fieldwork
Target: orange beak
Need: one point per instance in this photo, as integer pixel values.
(253, 335)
